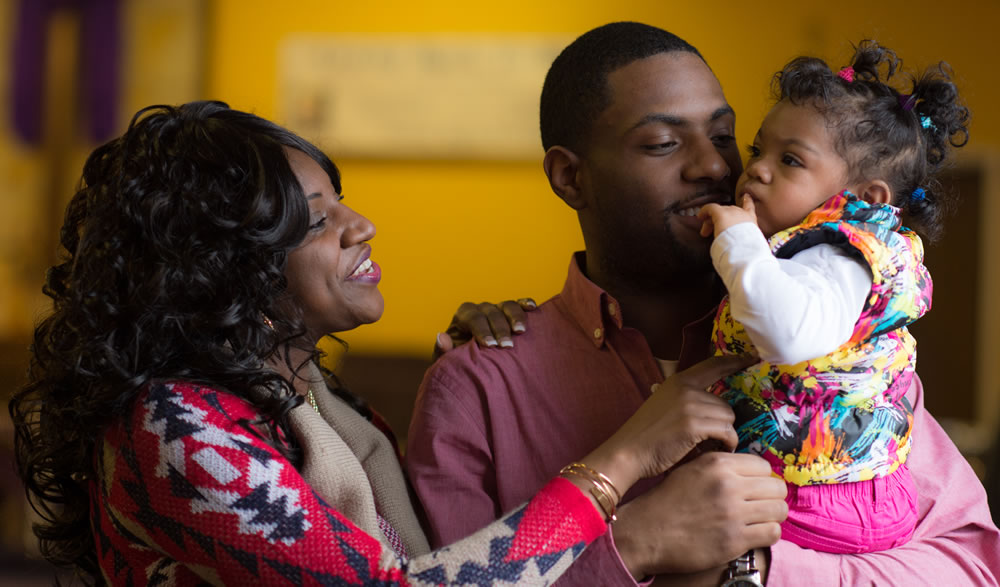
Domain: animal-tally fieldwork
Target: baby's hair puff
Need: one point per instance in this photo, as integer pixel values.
(903, 138)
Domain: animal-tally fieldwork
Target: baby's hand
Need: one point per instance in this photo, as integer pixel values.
(716, 218)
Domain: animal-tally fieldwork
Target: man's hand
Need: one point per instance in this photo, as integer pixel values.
(704, 514)
(676, 419)
(490, 324)
(716, 218)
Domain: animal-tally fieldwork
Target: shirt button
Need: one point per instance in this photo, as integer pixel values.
(611, 309)
(597, 333)
(652, 388)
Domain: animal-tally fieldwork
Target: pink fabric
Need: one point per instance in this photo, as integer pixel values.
(492, 426)
(954, 543)
(850, 518)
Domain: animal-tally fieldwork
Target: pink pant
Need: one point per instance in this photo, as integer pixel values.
(853, 517)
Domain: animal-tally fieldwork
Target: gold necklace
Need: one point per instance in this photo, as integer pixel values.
(312, 400)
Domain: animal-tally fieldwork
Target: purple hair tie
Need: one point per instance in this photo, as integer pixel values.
(846, 74)
(907, 101)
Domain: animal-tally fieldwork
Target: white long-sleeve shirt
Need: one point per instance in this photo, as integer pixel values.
(792, 309)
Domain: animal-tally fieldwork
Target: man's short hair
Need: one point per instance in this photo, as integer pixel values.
(576, 87)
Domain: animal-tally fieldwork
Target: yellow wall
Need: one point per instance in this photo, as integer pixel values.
(475, 230)
(454, 231)
(448, 231)
(161, 62)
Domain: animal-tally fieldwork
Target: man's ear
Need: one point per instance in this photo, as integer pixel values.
(561, 166)
(875, 191)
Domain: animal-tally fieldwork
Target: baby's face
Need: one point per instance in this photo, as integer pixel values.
(793, 167)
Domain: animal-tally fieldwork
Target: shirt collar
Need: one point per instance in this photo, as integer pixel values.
(592, 308)
(595, 310)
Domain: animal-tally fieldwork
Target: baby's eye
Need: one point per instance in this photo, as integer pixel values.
(753, 151)
(791, 161)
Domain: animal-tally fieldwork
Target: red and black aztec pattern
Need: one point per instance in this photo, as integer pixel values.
(187, 493)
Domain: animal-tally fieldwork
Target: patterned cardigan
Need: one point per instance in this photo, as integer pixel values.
(187, 493)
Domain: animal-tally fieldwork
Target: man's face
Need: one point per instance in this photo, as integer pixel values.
(662, 149)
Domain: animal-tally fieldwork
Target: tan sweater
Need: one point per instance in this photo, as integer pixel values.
(352, 464)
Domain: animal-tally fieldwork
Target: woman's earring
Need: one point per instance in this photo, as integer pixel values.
(267, 321)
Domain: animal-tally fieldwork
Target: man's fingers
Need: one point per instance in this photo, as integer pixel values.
(766, 488)
(697, 404)
(723, 431)
(714, 434)
(707, 372)
(765, 511)
(758, 481)
(761, 535)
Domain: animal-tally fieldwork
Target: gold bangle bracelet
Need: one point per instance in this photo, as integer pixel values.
(603, 490)
(602, 476)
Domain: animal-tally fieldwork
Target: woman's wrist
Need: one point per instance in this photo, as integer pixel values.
(616, 465)
(619, 470)
(585, 486)
(601, 487)
(603, 476)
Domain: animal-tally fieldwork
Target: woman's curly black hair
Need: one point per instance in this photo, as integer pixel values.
(175, 247)
(903, 138)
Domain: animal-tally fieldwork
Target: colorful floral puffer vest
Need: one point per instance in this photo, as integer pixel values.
(842, 417)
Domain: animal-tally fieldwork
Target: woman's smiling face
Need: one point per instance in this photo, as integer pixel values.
(330, 275)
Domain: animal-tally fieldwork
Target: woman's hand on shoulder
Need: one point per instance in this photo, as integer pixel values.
(491, 325)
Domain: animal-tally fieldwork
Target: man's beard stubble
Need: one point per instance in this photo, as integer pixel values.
(651, 261)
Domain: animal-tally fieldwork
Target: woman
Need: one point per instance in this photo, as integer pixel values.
(176, 426)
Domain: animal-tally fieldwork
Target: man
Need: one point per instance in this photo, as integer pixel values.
(638, 136)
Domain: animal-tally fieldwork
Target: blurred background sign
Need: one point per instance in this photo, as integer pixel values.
(455, 96)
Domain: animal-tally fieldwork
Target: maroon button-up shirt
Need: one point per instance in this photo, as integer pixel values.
(492, 426)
